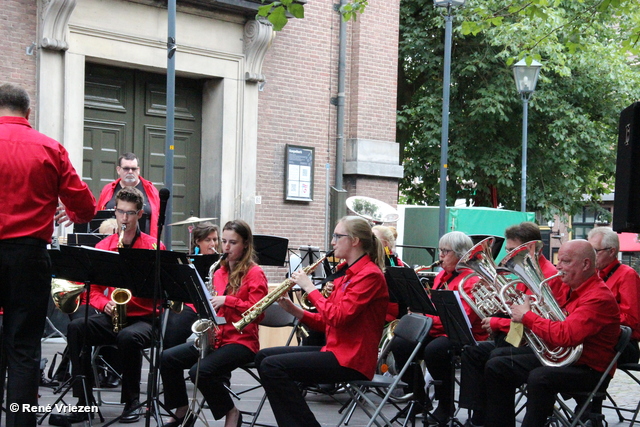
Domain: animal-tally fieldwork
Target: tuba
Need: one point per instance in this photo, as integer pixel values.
(258, 308)
(523, 262)
(66, 295)
(121, 297)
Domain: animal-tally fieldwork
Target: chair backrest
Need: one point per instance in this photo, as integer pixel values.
(623, 340)
(276, 317)
(413, 327)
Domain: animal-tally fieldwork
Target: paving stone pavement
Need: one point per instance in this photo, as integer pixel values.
(325, 407)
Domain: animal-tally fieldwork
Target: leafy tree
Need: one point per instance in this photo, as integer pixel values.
(585, 82)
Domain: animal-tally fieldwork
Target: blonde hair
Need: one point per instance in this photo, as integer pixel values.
(360, 228)
(108, 226)
(387, 235)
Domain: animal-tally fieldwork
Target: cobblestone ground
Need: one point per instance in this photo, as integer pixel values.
(623, 389)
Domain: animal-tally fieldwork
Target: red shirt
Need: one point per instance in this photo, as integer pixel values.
(253, 288)
(153, 196)
(593, 319)
(625, 286)
(137, 306)
(35, 171)
(500, 324)
(353, 316)
(445, 281)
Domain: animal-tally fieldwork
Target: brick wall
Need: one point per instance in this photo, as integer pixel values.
(294, 108)
(18, 19)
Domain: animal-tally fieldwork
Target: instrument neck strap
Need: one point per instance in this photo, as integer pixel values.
(443, 284)
(339, 273)
(613, 270)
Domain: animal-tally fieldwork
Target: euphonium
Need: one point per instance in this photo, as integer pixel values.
(121, 237)
(66, 295)
(121, 297)
(258, 308)
(483, 298)
(205, 331)
(523, 262)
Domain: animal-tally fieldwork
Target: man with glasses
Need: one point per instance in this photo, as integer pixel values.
(623, 282)
(99, 330)
(474, 358)
(128, 171)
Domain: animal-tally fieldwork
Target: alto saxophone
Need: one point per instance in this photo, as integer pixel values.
(121, 296)
(258, 308)
(121, 237)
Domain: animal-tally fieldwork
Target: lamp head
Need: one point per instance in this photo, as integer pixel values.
(526, 76)
(448, 3)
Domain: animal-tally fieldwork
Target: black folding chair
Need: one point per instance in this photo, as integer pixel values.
(413, 328)
(566, 416)
(629, 369)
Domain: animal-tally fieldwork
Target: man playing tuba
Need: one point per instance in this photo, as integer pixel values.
(134, 332)
(593, 320)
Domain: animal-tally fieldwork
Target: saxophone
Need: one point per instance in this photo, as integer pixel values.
(205, 329)
(121, 296)
(121, 237)
(258, 308)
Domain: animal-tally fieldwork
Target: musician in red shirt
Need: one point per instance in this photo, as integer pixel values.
(474, 358)
(36, 176)
(592, 319)
(238, 284)
(352, 318)
(437, 351)
(624, 283)
(99, 329)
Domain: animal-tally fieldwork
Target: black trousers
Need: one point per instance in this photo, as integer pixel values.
(131, 340)
(215, 370)
(438, 358)
(178, 328)
(473, 393)
(504, 374)
(281, 367)
(25, 285)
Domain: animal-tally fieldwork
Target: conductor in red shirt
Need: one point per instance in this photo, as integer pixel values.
(37, 177)
(352, 318)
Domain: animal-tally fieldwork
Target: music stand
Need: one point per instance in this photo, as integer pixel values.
(406, 289)
(458, 328)
(203, 263)
(77, 264)
(271, 250)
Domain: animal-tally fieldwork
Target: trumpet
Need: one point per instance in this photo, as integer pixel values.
(258, 308)
(121, 297)
(121, 237)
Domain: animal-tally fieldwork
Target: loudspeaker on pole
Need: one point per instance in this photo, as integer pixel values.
(626, 205)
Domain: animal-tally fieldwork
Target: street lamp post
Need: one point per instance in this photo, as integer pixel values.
(526, 77)
(446, 82)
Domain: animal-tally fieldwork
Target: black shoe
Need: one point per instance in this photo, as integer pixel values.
(129, 414)
(72, 418)
(112, 380)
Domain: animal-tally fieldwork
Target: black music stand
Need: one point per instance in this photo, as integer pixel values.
(458, 328)
(271, 250)
(81, 265)
(406, 289)
(203, 263)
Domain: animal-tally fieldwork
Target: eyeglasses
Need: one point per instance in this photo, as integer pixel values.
(603, 249)
(128, 213)
(337, 236)
(445, 252)
(126, 169)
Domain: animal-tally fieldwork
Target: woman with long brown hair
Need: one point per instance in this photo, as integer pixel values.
(238, 284)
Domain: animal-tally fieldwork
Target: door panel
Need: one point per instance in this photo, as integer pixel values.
(125, 110)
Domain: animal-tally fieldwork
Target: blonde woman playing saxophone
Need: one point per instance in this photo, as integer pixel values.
(352, 318)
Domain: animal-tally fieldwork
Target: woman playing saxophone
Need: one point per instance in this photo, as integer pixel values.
(352, 319)
(238, 285)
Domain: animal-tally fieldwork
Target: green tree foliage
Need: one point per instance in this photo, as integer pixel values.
(586, 80)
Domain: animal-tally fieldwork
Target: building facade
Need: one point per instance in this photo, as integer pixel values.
(96, 69)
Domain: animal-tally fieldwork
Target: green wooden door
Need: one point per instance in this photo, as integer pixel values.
(125, 110)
